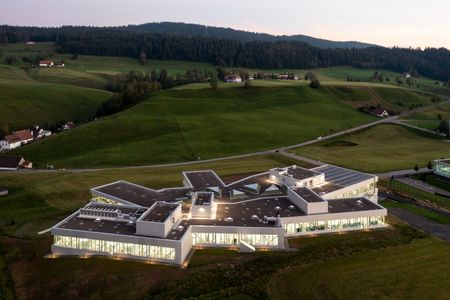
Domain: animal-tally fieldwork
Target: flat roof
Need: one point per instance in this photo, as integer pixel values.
(299, 172)
(133, 193)
(10, 162)
(326, 188)
(201, 180)
(203, 198)
(308, 195)
(351, 204)
(159, 212)
(251, 213)
(341, 176)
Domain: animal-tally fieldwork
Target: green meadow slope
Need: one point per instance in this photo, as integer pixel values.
(185, 125)
(25, 102)
(379, 149)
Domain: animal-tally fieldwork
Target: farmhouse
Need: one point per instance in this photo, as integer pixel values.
(39, 133)
(16, 139)
(380, 112)
(46, 63)
(3, 191)
(441, 167)
(258, 212)
(233, 78)
(12, 163)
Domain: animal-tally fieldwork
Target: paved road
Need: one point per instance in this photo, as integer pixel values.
(403, 173)
(423, 186)
(438, 230)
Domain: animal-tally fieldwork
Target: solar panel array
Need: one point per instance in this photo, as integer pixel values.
(342, 177)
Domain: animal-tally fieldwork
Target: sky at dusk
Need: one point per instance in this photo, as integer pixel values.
(415, 23)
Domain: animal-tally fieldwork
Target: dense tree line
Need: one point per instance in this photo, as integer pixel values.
(132, 87)
(193, 30)
(120, 41)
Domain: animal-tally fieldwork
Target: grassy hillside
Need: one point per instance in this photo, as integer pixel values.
(186, 125)
(379, 149)
(412, 271)
(431, 118)
(23, 105)
(69, 77)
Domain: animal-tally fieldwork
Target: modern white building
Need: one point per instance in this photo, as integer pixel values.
(126, 220)
(441, 167)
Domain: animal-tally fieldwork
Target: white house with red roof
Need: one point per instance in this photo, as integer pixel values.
(46, 63)
(16, 139)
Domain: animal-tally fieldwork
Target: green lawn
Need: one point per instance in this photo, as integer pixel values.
(430, 118)
(419, 194)
(25, 103)
(185, 125)
(423, 212)
(69, 77)
(401, 99)
(418, 270)
(379, 149)
(435, 180)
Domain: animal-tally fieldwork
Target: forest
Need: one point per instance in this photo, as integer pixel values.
(123, 41)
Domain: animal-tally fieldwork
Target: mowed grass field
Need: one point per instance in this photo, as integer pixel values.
(431, 118)
(176, 126)
(379, 149)
(419, 270)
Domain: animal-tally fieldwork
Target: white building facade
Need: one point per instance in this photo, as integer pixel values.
(163, 226)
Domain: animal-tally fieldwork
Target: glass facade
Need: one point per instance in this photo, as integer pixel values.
(155, 252)
(442, 168)
(199, 238)
(367, 190)
(333, 225)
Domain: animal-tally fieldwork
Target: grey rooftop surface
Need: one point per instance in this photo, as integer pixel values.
(351, 204)
(341, 176)
(299, 172)
(308, 195)
(160, 212)
(201, 180)
(140, 195)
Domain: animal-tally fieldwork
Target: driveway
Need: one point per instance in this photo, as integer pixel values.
(435, 229)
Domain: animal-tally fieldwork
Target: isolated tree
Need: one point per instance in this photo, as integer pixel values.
(416, 168)
(439, 117)
(436, 99)
(247, 84)
(75, 56)
(143, 58)
(214, 82)
(12, 59)
(315, 84)
(310, 76)
(448, 83)
(429, 165)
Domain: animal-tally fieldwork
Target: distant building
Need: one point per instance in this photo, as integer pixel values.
(39, 133)
(380, 112)
(68, 126)
(46, 63)
(16, 139)
(283, 77)
(30, 43)
(59, 64)
(233, 78)
(3, 191)
(407, 75)
(441, 167)
(12, 163)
